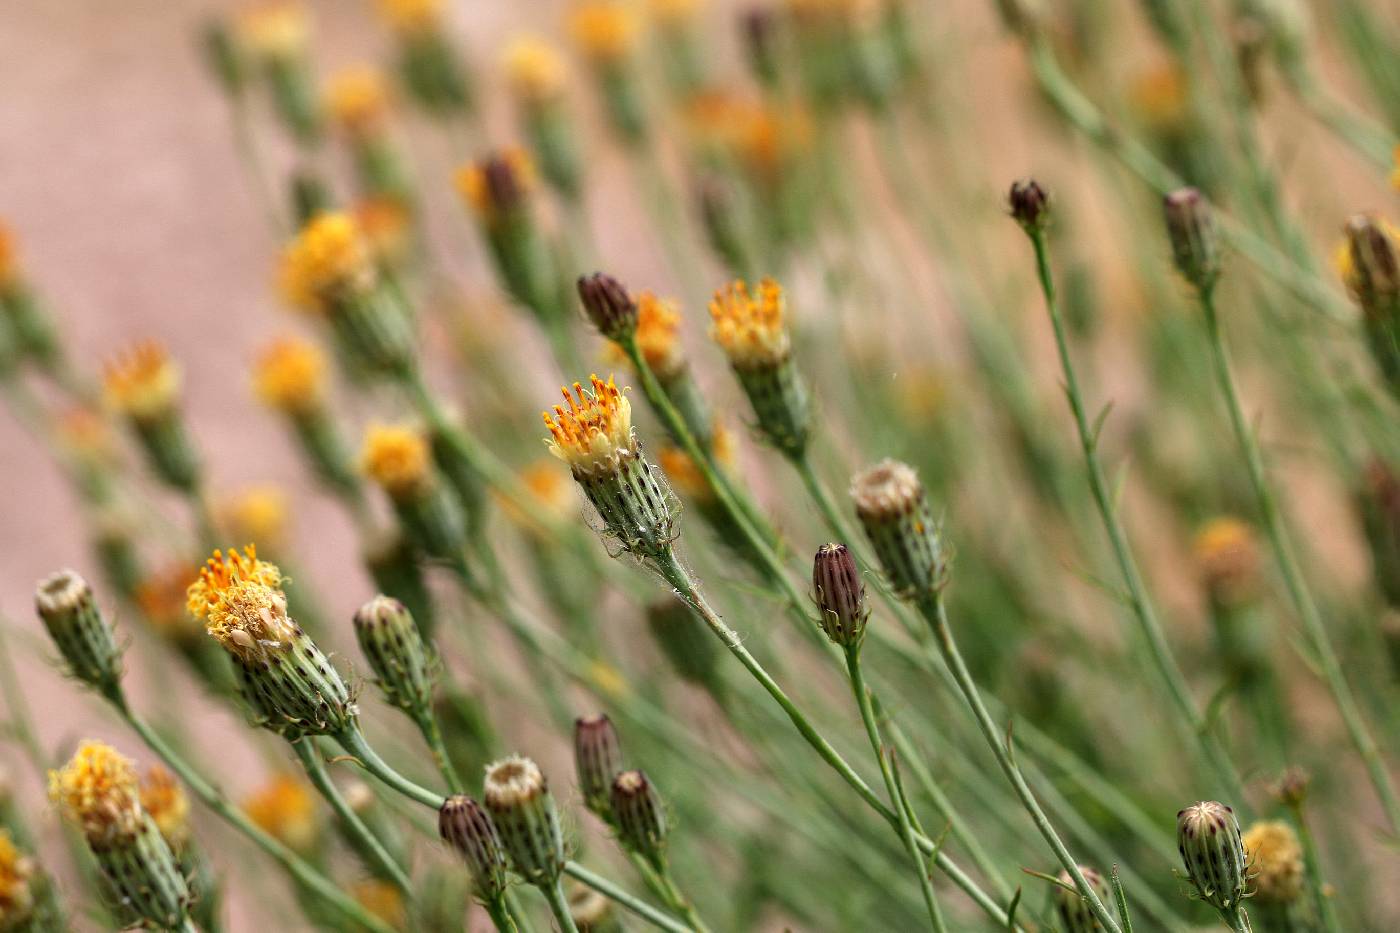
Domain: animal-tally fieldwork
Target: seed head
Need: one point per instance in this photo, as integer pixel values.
(840, 595)
(466, 826)
(1194, 239)
(609, 307)
(597, 760)
(143, 383)
(70, 614)
(523, 810)
(639, 814)
(894, 510)
(1208, 836)
(1030, 204)
(1275, 862)
(1073, 911)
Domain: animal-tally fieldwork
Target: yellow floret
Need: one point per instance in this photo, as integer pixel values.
(605, 30)
(16, 896)
(142, 383)
(595, 429)
(358, 100)
(290, 376)
(411, 16)
(535, 69)
(257, 514)
(277, 29)
(165, 802)
(329, 260)
(749, 326)
(285, 808)
(397, 458)
(658, 334)
(97, 790)
(1275, 861)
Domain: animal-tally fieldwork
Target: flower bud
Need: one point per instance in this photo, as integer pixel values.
(840, 595)
(892, 507)
(1194, 239)
(609, 307)
(399, 460)
(749, 326)
(639, 814)
(1374, 268)
(523, 810)
(467, 827)
(1275, 859)
(1030, 205)
(396, 571)
(1208, 836)
(406, 667)
(597, 760)
(1292, 787)
(1073, 911)
(69, 612)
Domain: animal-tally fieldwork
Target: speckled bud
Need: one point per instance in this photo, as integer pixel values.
(1030, 204)
(406, 668)
(147, 878)
(1192, 231)
(840, 595)
(1208, 836)
(69, 612)
(1073, 911)
(597, 760)
(466, 826)
(609, 307)
(893, 509)
(523, 810)
(640, 814)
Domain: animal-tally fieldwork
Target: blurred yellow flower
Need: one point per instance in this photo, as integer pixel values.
(164, 801)
(16, 896)
(98, 791)
(285, 808)
(275, 29)
(658, 334)
(1275, 862)
(382, 900)
(605, 30)
(748, 325)
(143, 382)
(411, 16)
(328, 260)
(257, 514)
(290, 375)
(497, 183)
(358, 100)
(397, 458)
(535, 69)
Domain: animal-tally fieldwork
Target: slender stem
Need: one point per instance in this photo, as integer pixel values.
(1292, 574)
(905, 828)
(671, 569)
(675, 898)
(310, 759)
(624, 899)
(1326, 910)
(214, 799)
(559, 906)
(819, 494)
(500, 915)
(353, 741)
(432, 735)
(933, 610)
(1138, 601)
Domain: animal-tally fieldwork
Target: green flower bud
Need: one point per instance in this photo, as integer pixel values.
(639, 814)
(467, 827)
(1073, 911)
(1208, 836)
(406, 668)
(597, 760)
(892, 507)
(69, 612)
(523, 810)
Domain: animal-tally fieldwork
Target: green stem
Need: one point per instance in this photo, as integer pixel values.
(624, 899)
(676, 899)
(1292, 574)
(1326, 910)
(353, 741)
(214, 799)
(310, 759)
(906, 828)
(931, 605)
(432, 735)
(559, 906)
(1138, 600)
(500, 915)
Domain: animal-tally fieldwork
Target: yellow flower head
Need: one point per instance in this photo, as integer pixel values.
(606, 30)
(1158, 95)
(535, 69)
(97, 790)
(549, 490)
(771, 138)
(257, 514)
(86, 435)
(163, 598)
(671, 14)
(275, 29)
(397, 458)
(285, 808)
(165, 802)
(496, 184)
(9, 258)
(358, 101)
(1344, 257)
(142, 383)
(411, 16)
(658, 334)
(290, 376)
(1228, 556)
(685, 476)
(382, 900)
(1275, 861)
(241, 602)
(386, 222)
(595, 430)
(749, 326)
(327, 261)
(16, 870)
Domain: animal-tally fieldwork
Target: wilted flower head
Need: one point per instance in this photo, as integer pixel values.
(894, 510)
(398, 459)
(285, 808)
(98, 791)
(1275, 862)
(240, 600)
(143, 382)
(606, 31)
(290, 375)
(595, 430)
(328, 262)
(358, 100)
(749, 325)
(518, 799)
(535, 70)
